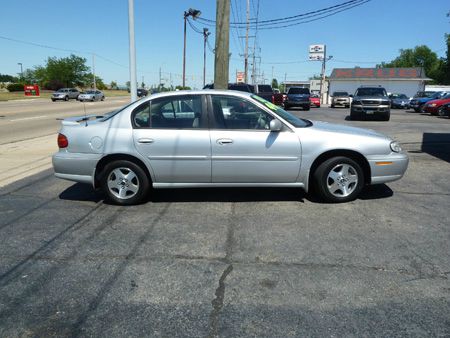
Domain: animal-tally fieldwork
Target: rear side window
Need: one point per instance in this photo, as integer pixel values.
(176, 112)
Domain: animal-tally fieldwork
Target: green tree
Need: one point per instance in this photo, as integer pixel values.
(58, 72)
(274, 83)
(113, 85)
(419, 56)
(8, 78)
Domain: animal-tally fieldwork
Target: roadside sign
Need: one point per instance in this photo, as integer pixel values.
(31, 90)
(317, 49)
(316, 56)
(240, 77)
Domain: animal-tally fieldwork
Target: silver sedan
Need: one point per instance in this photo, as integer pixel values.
(91, 95)
(215, 138)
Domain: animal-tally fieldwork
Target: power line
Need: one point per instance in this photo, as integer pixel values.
(297, 19)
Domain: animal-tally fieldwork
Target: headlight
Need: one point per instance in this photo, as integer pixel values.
(432, 104)
(395, 147)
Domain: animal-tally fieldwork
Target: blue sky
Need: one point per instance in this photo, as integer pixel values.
(362, 36)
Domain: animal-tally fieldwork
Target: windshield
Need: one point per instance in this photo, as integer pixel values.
(62, 90)
(436, 95)
(90, 92)
(371, 92)
(340, 94)
(292, 119)
(398, 96)
(298, 91)
(446, 97)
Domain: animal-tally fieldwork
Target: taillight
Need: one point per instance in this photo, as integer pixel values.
(63, 142)
(273, 98)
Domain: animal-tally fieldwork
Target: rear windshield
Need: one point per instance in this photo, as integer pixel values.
(265, 89)
(371, 92)
(298, 91)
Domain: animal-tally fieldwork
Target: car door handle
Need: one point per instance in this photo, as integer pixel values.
(146, 140)
(222, 141)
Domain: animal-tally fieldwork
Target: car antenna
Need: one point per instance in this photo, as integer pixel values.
(85, 115)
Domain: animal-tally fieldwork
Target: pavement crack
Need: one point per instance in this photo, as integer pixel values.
(217, 303)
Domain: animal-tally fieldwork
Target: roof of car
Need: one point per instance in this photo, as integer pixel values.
(202, 91)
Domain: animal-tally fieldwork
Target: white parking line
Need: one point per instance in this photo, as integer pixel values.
(28, 118)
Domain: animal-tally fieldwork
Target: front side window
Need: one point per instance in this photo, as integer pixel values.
(169, 113)
(237, 113)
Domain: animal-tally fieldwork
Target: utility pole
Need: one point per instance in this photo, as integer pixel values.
(205, 38)
(133, 87)
(246, 43)
(195, 14)
(222, 45)
(159, 84)
(21, 70)
(93, 70)
(322, 78)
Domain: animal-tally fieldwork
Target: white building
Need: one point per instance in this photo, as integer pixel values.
(395, 80)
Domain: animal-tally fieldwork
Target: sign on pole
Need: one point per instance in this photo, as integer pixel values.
(240, 77)
(316, 52)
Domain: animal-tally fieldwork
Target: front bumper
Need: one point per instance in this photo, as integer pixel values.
(387, 168)
(341, 103)
(370, 110)
(78, 167)
(431, 110)
(297, 103)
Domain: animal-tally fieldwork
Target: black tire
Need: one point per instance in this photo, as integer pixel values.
(354, 116)
(441, 111)
(66, 98)
(332, 105)
(324, 184)
(386, 117)
(347, 106)
(103, 98)
(417, 110)
(138, 181)
(307, 108)
(53, 100)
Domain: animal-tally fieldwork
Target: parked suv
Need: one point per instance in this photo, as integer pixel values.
(65, 94)
(370, 101)
(297, 97)
(340, 99)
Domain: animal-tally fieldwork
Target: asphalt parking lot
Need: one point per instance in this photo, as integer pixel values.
(235, 262)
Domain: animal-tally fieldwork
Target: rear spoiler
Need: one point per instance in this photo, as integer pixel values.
(73, 121)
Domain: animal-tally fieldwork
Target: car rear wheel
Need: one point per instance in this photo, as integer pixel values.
(103, 98)
(124, 182)
(339, 179)
(66, 98)
(441, 111)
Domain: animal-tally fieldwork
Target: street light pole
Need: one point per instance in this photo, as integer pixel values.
(133, 87)
(195, 14)
(21, 70)
(205, 38)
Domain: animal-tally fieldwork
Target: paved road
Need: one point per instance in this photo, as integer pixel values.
(234, 262)
(20, 120)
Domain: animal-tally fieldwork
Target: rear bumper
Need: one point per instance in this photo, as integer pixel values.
(75, 166)
(387, 168)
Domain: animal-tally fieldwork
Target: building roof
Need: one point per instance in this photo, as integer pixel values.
(379, 73)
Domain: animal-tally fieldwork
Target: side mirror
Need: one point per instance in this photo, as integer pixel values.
(351, 95)
(275, 125)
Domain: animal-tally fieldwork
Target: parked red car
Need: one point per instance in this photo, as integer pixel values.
(315, 101)
(436, 107)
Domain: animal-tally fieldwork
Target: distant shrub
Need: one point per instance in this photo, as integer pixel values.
(15, 87)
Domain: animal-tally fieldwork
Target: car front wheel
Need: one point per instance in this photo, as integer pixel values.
(124, 182)
(338, 179)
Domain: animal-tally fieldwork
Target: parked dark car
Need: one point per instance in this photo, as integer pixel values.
(370, 102)
(240, 87)
(399, 101)
(141, 92)
(297, 97)
(445, 111)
